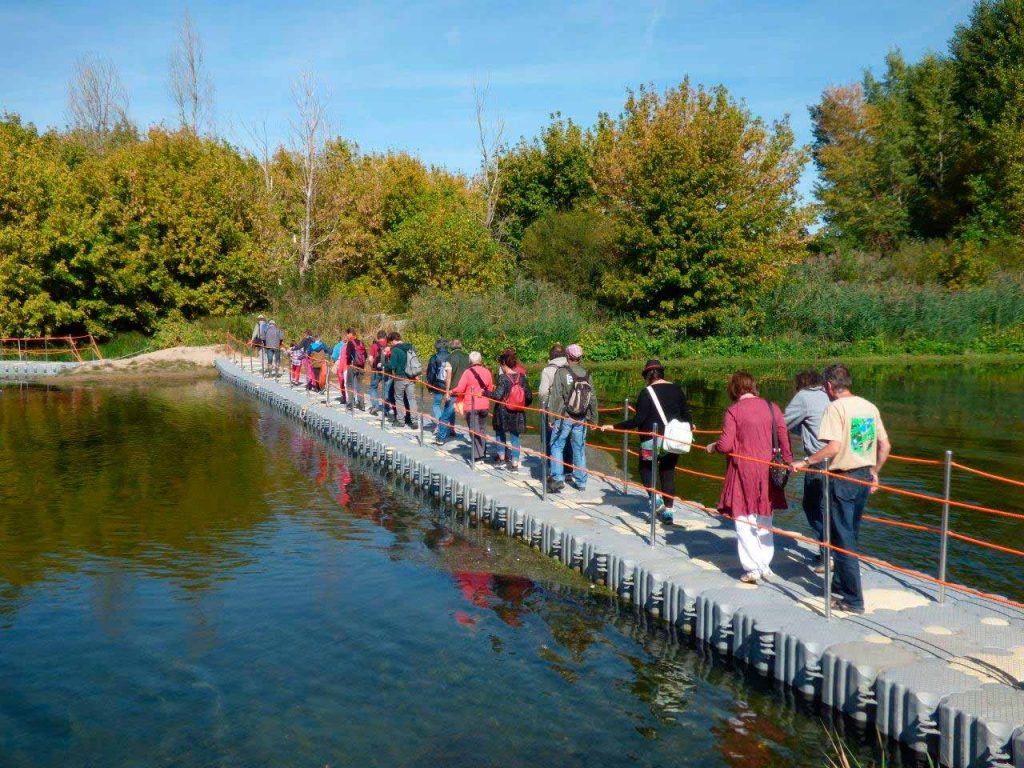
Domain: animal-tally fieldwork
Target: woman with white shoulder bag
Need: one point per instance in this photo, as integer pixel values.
(663, 404)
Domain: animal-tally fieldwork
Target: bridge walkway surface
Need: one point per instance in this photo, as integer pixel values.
(944, 679)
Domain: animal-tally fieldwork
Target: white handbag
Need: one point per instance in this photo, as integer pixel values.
(678, 436)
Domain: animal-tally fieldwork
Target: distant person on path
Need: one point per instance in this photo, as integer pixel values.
(297, 358)
(856, 447)
(317, 364)
(674, 406)
(307, 341)
(438, 381)
(459, 363)
(259, 332)
(803, 417)
(355, 363)
(748, 495)
(338, 357)
(272, 339)
(573, 400)
(376, 359)
(512, 395)
(404, 365)
(472, 392)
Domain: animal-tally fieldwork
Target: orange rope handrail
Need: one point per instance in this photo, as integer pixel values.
(987, 475)
(782, 532)
(642, 434)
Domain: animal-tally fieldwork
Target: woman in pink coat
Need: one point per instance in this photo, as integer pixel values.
(748, 497)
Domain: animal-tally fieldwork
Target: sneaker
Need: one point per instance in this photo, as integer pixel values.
(767, 573)
(666, 516)
(555, 486)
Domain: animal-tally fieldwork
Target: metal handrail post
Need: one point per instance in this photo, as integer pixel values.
(263, 357)
(827, 522)
(947, 479)
(654, 485)
(421, 424)
(544, 456)
(625, 449)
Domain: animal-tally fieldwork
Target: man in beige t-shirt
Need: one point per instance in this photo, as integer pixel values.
(857, 446)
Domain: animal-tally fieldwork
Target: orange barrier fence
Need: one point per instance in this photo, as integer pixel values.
(75, 348)
(626, 483)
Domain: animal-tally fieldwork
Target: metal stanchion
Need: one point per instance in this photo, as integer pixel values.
(654, 485)
(827, 522)
(383, 414)
(250, 359)
(625, 449)
(543, 456)
(421, 426)
(947, 477)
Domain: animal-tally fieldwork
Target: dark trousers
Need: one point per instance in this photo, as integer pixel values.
(847, 505)
(666, 476)
(477, 423)
(813, 502)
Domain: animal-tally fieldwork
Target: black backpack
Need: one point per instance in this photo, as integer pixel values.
(435, 369)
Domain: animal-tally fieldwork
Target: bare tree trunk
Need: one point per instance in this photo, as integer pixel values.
(489, 137)
(262, 144)
(190, 85)
(97, 100)
(308, 131)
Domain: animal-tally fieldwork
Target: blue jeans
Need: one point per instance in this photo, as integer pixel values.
(512, 451)
(847, 505)
(389, 396)
(273, 357)
(446, 428)
(436, 407)
(575, 434)
(375, 379)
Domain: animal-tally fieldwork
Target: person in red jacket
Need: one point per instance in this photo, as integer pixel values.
(748, 495)
(472, 392)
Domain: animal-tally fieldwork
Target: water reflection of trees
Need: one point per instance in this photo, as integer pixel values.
(164, 478)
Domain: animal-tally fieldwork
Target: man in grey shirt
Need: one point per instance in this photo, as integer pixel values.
(803, 417)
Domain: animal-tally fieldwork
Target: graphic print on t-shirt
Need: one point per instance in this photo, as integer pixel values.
(862, 437)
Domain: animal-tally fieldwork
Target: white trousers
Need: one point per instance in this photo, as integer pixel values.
(756, 545)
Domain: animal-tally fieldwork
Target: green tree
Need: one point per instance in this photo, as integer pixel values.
(705, 205)
(572, 249)
(551, 173)
(862, 204)
(988, 58)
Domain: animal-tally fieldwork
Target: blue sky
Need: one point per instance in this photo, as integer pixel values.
(399, 75)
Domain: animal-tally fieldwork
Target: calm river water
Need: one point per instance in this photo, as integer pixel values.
(189, 579)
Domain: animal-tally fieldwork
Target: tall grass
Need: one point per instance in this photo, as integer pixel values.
(813, 304)
(528, 315)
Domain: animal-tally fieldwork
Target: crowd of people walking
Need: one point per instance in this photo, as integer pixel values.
(839, 431)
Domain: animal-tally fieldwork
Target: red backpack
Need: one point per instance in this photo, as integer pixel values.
(515, 401)
(360, 356)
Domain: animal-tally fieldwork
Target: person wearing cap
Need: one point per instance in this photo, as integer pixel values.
(573, 403)
(273, 337)
(671, 404)
(259, 332)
